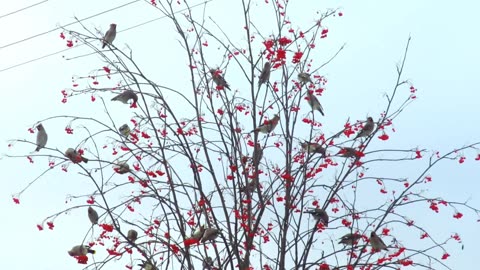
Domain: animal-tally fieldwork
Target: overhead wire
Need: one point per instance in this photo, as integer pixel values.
(22, 9)
(127, 29)
(60, 27)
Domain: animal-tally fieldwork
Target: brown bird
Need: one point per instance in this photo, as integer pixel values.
(109, 35)
(313, 148)
(367, 128)
(74, 156)
(376, 242)
(147, 266)
(125, 96)
(207, 263)
(80, 250)
(92, 215)
(218, 79)
(265, 74)
(304, 77)
(132, 235)
(257, 155)
(314, 103)
(350, 239)
(268, 126)
(347, 152)
(122, 167)
(42, 137)
(320, 215)
(210, 234)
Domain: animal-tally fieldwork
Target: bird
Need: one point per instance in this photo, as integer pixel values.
(265, 74)
(350, 239)
(210, 234)
(122, 167)
(42, 137)
(320, 215)
(124, 130)
(80, 250)
(313, 148)
(367, 129)
(92, 215)
(268, 126)
(147, 265)
(219, 80)
(314, 103)
(125, 96)
(347, 152)
(132, 235)
(376, 242)
(74, 156)
(304, 77)
(257, 155)
(110, 35)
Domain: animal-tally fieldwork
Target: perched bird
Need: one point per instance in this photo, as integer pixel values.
(367, 128)
(313, 148)
(110, 35)
(348, 152)
(218, 79)
(268, 126)
(125, 96)
(207, 263)
(257, 155)
(42, 137)
(124, 130)
(304, 77)
(376, 242)
(122, 167)
(265, 74)
(350, 239)
(210, 234)
(74, 156)
(198, 233)
(132, 235)
(319, 214)
(147, 265)
(80, 250)
(314, 103)
(92, 215)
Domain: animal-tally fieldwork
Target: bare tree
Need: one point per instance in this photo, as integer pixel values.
(231, 167)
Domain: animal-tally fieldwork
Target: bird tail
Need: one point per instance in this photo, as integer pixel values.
(85, 160)
(91, 251)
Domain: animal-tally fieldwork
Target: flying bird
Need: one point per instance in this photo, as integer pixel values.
(350, 239)
(313, 148)
(92, 215)
(210, 234)
(304, 77)
(74, 156)
(124, 130)
(268, 126)
(218, 79)
(314, 103)
(376, 242)
(125, 96)
(367, 129)
(265, 74)
(132, 235)
(110, 35)
(320, 215)
(42, 137)
(80, 250)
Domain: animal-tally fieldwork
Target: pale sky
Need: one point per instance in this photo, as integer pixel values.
(442, 64)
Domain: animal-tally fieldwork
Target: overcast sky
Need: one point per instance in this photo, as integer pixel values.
(442, 64)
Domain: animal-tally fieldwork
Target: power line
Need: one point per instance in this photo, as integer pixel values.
(60, 27)
(22, 9)
(135, 26)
